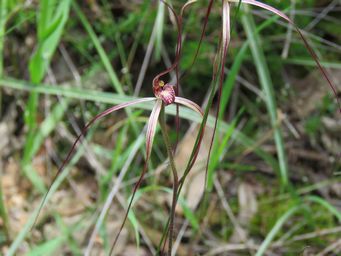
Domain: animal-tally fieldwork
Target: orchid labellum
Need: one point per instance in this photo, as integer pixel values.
(166, 94)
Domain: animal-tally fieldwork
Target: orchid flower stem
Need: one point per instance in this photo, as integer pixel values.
(175, 176)
(196, 146)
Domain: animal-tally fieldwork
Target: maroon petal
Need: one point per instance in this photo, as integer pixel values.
(163, 91)
(190, 104)
(167, 94)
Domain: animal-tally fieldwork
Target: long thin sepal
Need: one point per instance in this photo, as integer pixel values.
(307, 45)
(190, 104)
(178, 47)
(208, 12)
(151, 128)
(176, 64)
(186, 5)
(225, 44)
(82, 134)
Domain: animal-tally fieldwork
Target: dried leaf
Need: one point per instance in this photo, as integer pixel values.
(193, 188)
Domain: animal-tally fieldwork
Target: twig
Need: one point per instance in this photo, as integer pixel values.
(317, 233)
(146, 60)
(321, 15)
(141, 230)
(113, 193)
(230, 214)
(334, 247)
(179, 237)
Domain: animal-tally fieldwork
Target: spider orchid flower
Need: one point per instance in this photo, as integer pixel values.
(164, 96)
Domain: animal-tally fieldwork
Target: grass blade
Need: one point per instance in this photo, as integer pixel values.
(226, 36)
(3, 17)
(279, 223)
(34, 143)
(47, 248)
(48, 35)
(306, 44)
(218, 150)
(3, 212)
(137, 144)
(82, 134)
(326, 205)
(54, 186)
(112, 98)
(150, 134)
(159, 23)
(48, 40)
(267, 86)
(104, 57)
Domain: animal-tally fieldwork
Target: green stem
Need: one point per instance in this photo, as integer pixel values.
(3, 213)
(195, 148)
(3, 13)
(175, 177)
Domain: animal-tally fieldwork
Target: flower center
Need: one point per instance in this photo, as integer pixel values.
(161, 83)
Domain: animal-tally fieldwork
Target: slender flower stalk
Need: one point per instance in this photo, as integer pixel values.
(175, 177)
(226, 27)
(166, 94)
(226, 37)
(163, 96)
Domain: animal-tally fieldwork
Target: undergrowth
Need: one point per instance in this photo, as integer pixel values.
(254, 172)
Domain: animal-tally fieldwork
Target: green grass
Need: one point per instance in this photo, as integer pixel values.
(268, 89)
(278, 225)
(108, 44)
(103, 55)
(3, 18)
(50, 25)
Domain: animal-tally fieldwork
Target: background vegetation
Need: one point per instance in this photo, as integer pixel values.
(62, 62)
